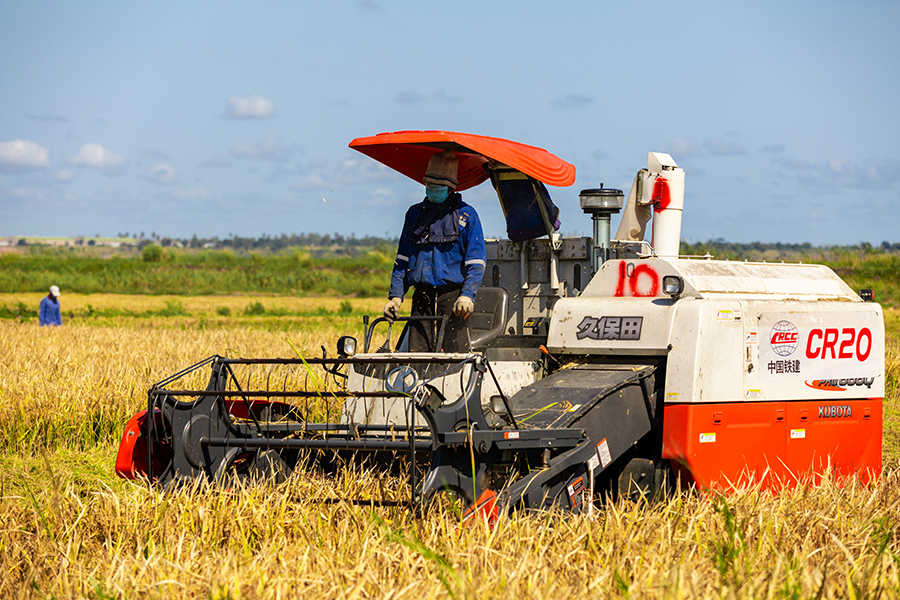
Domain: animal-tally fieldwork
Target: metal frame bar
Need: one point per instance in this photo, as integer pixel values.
(369, 330)
(271, 394)
(259, 432)
(323, 444)
(374, 359)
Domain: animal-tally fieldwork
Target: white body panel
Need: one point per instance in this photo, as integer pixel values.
(739, 331)
(719, 279)
(512, 376)
(632, 326)
(732, 351)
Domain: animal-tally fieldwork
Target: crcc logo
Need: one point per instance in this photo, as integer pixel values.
(783, 338)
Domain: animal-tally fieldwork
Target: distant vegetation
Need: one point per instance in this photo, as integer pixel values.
(158, 270)
(722, 249)
(315, 265)
(860, 266)
(317, 245)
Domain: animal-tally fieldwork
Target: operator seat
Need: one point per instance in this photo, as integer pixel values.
(488, 317)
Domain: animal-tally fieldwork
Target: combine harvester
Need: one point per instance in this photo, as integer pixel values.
(596, 366)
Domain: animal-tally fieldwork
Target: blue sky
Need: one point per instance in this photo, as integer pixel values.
(221, 118)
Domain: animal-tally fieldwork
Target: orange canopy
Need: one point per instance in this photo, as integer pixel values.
(409, 152)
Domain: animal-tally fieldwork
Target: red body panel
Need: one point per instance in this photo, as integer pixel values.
(773, 444)
(240, 409)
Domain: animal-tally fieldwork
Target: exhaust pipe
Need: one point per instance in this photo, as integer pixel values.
(664, 185)
(601, 204)
(657, 193)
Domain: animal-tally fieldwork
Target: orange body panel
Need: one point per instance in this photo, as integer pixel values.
(773, 444)
(408, 152)
(131, 460)
(847, 440)
(486, 507)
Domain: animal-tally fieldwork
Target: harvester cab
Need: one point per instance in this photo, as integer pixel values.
(595, 366)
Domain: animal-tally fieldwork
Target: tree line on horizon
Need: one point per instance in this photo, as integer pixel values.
(272, 243)
(341, 244)
(720, 248)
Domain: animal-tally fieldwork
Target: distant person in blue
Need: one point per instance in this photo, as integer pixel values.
(50, 314)
(441, 254)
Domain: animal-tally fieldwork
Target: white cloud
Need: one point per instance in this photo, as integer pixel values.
(380, 197)
(352, 170)
(48, 118)
(97, 157)
(162, 173)
(216, 162)
(684, 147)
(574, 101)
(154, 154)
(349, 171)
(310, 182)
(414, 97)
(720, 148)
(681, 148)
(19, 155)
(442, 95)
(842, 173)
(26, 193)
(64, 175)
(281, 172)
(410, 97)
(269, 148)
(192, 194)
(254, 107)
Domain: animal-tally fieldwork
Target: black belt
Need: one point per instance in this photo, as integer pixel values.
(439, 289)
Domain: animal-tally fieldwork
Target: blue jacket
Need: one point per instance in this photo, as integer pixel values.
(49, 314)
(444, 247)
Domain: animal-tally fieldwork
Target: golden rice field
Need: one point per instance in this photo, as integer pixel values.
(70, 529)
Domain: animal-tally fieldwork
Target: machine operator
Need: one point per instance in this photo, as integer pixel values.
(441, 254)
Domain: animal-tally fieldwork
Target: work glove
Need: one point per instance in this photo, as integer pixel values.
(463, 307)
(392, 309)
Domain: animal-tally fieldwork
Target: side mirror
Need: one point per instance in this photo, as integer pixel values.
(867, 295)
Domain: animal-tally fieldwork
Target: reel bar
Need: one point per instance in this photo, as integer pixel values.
(281, 427)
(327, 444)
(368, 360)
(275, 394)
